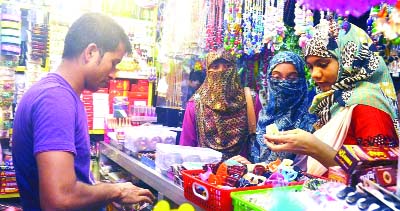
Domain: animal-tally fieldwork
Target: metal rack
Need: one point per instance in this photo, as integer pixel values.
(156, 180)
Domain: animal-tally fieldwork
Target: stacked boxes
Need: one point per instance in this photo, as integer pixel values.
(100, 108)
(365, 162)
(87, 99)
(96, 106)
(118, 88)
(8, 182)
(99, 105)
(139, 93)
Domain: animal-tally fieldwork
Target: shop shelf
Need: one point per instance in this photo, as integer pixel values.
(154, 179)
(214, 197)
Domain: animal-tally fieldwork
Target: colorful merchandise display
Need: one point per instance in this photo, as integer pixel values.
(170, 39)
(10, 30)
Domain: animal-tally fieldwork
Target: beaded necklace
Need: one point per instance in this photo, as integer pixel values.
(203, 24)
(214, 25)
(280, 26)
(233, 31)
(304, 23)
(274, 30)
(253, 27)
(299, 19)
(269, 29)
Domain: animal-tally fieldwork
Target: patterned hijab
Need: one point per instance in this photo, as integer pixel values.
(363, 77)
(288, 103)
(221, 109)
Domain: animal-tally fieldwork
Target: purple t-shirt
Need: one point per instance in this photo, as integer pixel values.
(49, 117)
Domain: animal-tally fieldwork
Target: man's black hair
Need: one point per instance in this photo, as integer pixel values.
(94, 28)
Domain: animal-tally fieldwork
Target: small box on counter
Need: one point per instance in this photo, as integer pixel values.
(354, 157)
(382, 175)
(336, 173)
(170, 154)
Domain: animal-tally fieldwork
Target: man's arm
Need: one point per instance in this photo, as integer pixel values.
(60, 189)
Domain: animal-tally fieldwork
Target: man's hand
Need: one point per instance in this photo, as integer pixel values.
(131, 194)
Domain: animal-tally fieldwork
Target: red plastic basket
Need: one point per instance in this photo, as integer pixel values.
(214, 199)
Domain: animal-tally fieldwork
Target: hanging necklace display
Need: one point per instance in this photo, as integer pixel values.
(253, 26)
(371, 29)
(214, 25)
(388, 22)
(280, 26)
(383, 26)
(299, 19)
(304, 22)
(274, 30)
(269, 26)
(204, 10)
(232, 27)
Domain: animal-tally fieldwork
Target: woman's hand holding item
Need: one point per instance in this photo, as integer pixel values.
(301, 142)
(296, 141)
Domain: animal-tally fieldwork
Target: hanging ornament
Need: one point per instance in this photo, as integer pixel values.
(344, 7)
(203, 24)
(253, 26)
(299, 19)
(387, 22)
(280, 26)
(232, 27)
(274, 27)
(304, 23)
(214, 25)
(269, 20)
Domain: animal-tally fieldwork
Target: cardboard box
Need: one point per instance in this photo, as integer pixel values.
(382, 175)
(354, 157)
(336, 173)
(122, 85)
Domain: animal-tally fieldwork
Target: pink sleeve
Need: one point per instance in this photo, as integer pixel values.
(189, 134)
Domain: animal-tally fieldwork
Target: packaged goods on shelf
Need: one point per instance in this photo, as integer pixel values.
(145, 138)
(168, 155)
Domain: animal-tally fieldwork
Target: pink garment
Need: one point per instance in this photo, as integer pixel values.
(189, 134)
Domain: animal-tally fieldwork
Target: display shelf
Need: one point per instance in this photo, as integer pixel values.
(9, 195)
(96, 132)
(148, 175)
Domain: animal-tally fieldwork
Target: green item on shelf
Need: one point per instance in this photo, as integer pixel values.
(282, 199)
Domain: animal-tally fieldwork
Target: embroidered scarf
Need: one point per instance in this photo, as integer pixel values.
(363, 77)
(220, 103)
(288, 103)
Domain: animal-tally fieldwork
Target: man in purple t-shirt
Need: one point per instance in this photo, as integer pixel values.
(51, 141)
